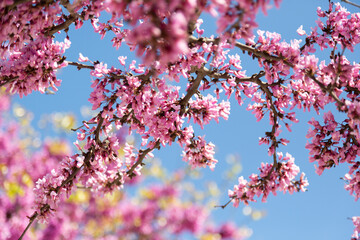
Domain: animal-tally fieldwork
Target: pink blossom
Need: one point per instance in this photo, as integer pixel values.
(300, 31)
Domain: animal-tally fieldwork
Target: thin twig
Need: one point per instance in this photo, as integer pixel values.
(32, 219)
(8, 81)
(351, 3)
(80, 65)
(257, 53)
(141, 157)
(226, 204)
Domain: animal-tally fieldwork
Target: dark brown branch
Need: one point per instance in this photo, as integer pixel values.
(254, 51)
(351, 3)
(265, 89)
(98, 128)
(261, 54)
(32, 219)
(325, 89)
(192, 90)
(70, 19)
(140, 159)
(201, 73)
(73, 174)
(80, 65)
(226, 204)
(8, 81)
(237, 80)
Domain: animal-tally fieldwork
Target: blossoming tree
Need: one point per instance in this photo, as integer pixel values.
(149, 97)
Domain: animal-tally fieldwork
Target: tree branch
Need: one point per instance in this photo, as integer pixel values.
(80, 65)
(192, 90)
(351, 3)
(32, 219)
(70, 178)
(98, 128)
(257, 53)
(140, 159)
(54, 29)
(226, 204)
(264, 55)
(325, 89)
(8, 81)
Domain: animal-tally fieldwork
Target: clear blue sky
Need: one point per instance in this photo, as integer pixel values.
(320, 213)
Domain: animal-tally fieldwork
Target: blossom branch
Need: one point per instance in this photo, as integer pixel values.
(139, 161)
(267, 56)
(226, 204)
(192, 90)
(69, 20)
(80, 65)
(69, 180)
(325, 89)
(32, 219)
(247, 48)
(46, 207)
(269, 95)
(7, 80)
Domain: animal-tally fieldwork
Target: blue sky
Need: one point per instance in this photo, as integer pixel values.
(320, 213)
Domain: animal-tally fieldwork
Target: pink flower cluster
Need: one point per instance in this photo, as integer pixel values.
(238, 17)
(26, 22)
(199, 153)
(325, 147)
(34, 66)
(29, 57)
(353, 181)
(356, 222)
(50, 189)
(204, 109)
(341, 26)
(160, 28)
(153, 219)
(280, 177)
